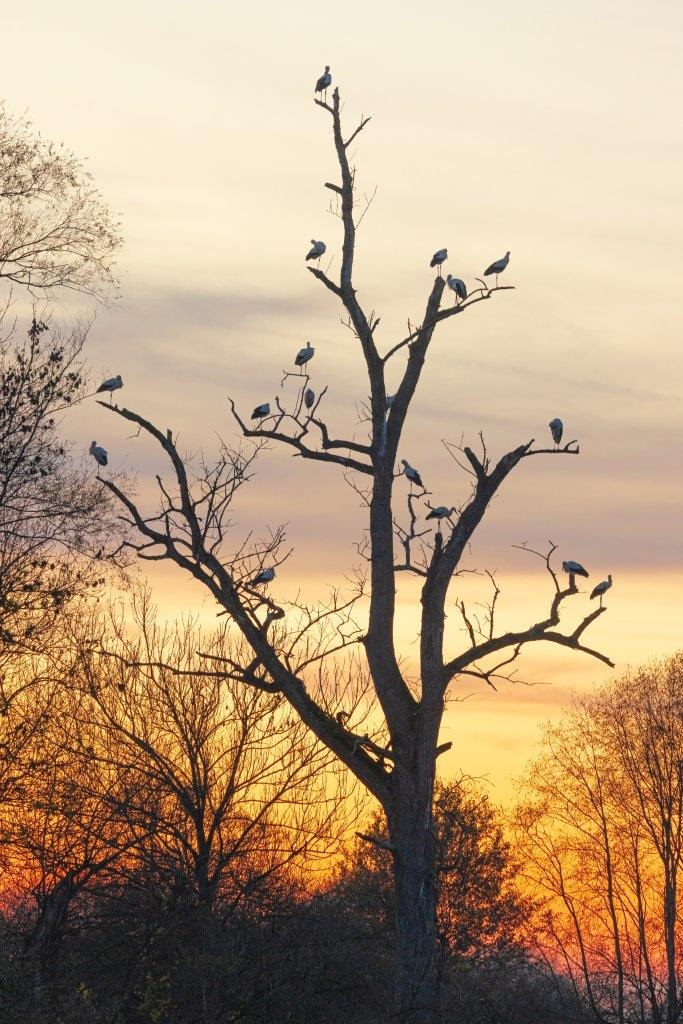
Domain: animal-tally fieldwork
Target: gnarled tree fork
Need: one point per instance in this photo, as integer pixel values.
(189, 529)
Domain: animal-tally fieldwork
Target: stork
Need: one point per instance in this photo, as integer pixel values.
(440, 512)
(261, 411)
(111, 385)
(304, 355)
(498, 266)
(574, 569)
(411, 474)
(458, 286)
(264, 576)
(439, 257)
(317, 250)
(556, 428)
(601, 589)
(98, 453)
(324, 82)
(309, 398)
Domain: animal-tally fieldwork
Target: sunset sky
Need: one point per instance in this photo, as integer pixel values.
(550, 130)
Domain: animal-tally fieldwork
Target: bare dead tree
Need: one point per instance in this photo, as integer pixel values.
(55, 230)
(190, 529)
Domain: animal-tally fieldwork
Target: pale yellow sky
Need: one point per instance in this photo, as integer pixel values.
(550, 130)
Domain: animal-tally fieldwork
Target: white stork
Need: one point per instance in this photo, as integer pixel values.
(439, 257)
(458, 286)
(111, 385)
(411, 474)
(601, 589)
(574, 569)
(264, 576)
(440, 512)
(324, 82)
(317, 250)
(556, 428)
(261, 411)
(304, 355)
(498, 266)
(98, 453)
(309, 398)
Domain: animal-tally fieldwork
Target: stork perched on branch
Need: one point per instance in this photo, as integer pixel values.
(324, 82)
(264, 576)
(111, 385)
(498, 266)
(601, 589)
(316, 251)
(411, 473)
(98, 453)
(439, 257)
(304, 355)
(556, 429)
(458, 286)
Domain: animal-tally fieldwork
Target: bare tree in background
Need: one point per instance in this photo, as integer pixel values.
(55, 230)
(601, 835)
(232, 787)
(192, 528)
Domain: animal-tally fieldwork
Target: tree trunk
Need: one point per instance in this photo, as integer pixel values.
(42, 942)
(417, 963)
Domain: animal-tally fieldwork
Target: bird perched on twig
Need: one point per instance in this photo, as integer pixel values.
(264, 576)
(304, 355)
(498, 266)
(440, 512)
(556, 428)
(601, 589)
(316, 251)
(260, 411)
(111, 385)
(98, 453)
(574, 569)
(411, 474)
(309, 398)
(324, 82)
(458, 286)
(439, 257)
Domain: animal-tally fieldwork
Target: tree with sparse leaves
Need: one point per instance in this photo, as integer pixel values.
(193, 528)
(55, 230)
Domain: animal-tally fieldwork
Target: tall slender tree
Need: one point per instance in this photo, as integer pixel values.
(191, 529)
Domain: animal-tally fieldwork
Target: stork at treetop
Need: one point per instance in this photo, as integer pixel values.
(601, 589)
(304, 355)
(498, 266)
(439, 257)
(98, 453)
(458, 286)
(556, 428)
(317, 250)
(264, 576)
(574, 569)
(324, 82)
(111, 385)
(411, 474)
(260, 411)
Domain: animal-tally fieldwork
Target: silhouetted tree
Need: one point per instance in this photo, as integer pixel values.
(193, 527)
(601, 833)
(55, 230)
